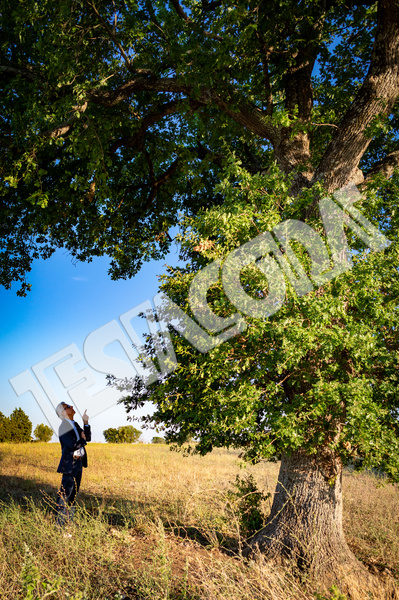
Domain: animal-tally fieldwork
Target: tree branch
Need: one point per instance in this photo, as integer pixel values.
(183, 15)
(110, 33)
(245, 114)
(111, 98)
(210, 5)
(153, 18)
(28, 74)
(157, 183)
(136, 140)
(385, 167)
(67, 124)
(265, 56)
(251, 118)
(179, 10)
(339, 165)
(293, 151)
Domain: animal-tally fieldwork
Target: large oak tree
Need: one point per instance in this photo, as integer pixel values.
(121, 119)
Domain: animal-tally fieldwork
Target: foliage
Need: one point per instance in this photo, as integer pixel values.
(33, 586)
(36, 588)
(101, 153)
(43, 433)
(158, 440)
(248, 498)
(335, 594)
(321, 371)
(4, 428)
(15, 428)
(126, 434)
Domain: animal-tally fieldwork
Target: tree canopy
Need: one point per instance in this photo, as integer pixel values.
(118, 115)
(123, 119)
(43, 433)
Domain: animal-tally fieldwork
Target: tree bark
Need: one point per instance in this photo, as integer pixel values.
(304, 529)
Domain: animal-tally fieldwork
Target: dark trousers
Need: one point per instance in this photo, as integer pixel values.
(68, 491)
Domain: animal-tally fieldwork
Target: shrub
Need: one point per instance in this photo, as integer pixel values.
(248, 499)
(43, 433)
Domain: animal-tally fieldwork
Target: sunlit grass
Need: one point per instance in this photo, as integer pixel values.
(153, 524)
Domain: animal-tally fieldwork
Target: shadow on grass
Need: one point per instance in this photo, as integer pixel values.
(206, 539)
(25, 491)
(116, 512)
(19, 490)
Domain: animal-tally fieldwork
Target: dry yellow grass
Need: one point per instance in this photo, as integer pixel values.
(155, 524)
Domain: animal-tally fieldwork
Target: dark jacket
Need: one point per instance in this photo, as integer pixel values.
(70, 443)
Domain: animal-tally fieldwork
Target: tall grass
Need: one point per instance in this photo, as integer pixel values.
(153, 524)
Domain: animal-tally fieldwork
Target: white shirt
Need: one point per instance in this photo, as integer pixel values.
(74, 428)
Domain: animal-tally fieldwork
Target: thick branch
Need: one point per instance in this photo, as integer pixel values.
(28, 74)
(136, 140)
(183, 15)
(251, 118)
(140, 84)
(265, 57)
(179, 9)
(246, 115)
(293, 152)
(384, 167)
(210, 5)
(67, 124)
(157, 183)
(377, 96)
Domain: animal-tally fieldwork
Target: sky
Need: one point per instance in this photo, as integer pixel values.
(56, 341)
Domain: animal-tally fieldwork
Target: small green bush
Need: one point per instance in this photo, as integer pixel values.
(43, 433)
(248, 499)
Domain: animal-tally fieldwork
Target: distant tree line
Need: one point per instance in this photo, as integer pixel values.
(126, 434)
(17, 428)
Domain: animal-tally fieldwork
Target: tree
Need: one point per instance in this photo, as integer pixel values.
(316, 384)
(157, 440)
(121, 117)
(43, 433)
(126, 434)
(20, 426)
(111, 435)
(4, 428)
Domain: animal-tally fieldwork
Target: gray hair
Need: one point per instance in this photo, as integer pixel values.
(60, 410)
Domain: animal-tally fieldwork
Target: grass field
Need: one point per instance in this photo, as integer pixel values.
(152, 524)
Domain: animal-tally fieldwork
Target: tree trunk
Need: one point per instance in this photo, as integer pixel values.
(304, 528)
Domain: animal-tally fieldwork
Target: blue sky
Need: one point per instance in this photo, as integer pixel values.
(43, 337)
